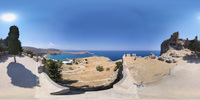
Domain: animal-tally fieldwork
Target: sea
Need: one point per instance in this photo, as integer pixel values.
(113, 55)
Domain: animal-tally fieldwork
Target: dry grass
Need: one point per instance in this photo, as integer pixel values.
(90, 76)
(151, 70)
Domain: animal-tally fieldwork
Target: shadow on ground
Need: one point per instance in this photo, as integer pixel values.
(20, 76)
(74, 93)
(4, 57)
(69, 81)
(192, 58)
(20, 56)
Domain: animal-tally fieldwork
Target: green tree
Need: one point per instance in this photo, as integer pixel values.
(119, 64)
(13, 42)
(52, 68)
(13, 47)
(194, 45)
(1, 45)
(28, 52)
(20, 48)
(1, 48)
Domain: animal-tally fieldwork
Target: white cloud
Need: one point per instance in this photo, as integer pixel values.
(51, 44)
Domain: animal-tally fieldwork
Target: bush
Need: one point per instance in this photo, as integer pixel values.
(119, 64)
(32, 55)
(86, 60)
(194, 45)
(115, 69)
(99, 68)
(70, 68)
(29, 52)
(59, 63)
(68, 63)
(52, 68)
(76, 63)
(107, 69)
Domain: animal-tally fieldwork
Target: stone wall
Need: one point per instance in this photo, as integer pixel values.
(175, 42)
(50, 86)
(127, 81)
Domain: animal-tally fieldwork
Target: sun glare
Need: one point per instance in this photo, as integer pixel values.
(8, 17)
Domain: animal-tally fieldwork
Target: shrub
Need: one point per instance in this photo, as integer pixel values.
(194, 45)
(76, 63)
(32, 55)
(70, 68)
(119, 64)
(29, 52)
(115, 69)
(86, 60)
(59, 63)
(52, 68)
(68, 63)
(107, 69)
(99, 68)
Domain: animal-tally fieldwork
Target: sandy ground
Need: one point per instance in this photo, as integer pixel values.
(18, 80)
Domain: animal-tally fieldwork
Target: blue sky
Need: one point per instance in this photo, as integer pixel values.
(101, 24)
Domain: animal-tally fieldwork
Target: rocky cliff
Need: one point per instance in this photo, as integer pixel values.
(175, 43)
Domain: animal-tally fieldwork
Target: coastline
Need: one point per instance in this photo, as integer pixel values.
(113, 55)
(46, 56)
(76, 52)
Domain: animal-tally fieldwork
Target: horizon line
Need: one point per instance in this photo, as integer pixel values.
(91, 49)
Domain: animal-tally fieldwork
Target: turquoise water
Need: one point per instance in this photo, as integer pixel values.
(113, 55)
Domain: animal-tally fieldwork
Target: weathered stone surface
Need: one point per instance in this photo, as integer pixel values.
(167, 59)
(170, 60)
(174, 38)
(50, 86)
(152, 56)
(175, 42)
(196, 38)
(133, 55)
(137, 57)
(162, 58)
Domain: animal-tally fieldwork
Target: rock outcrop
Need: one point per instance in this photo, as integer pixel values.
(175, 42)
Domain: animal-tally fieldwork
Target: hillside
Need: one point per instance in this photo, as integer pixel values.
(49, 51)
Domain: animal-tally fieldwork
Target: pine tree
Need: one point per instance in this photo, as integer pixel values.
(13, 42)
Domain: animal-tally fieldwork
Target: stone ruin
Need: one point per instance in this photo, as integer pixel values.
(167, 59)
(151, 55)
(175, 43)
(131, 56)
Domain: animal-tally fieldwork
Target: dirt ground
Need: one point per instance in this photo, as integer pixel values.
(86, 74)
(182, 82)
(149, 70)
(146, 70)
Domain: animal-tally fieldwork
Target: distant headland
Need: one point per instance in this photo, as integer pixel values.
(49, 51)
